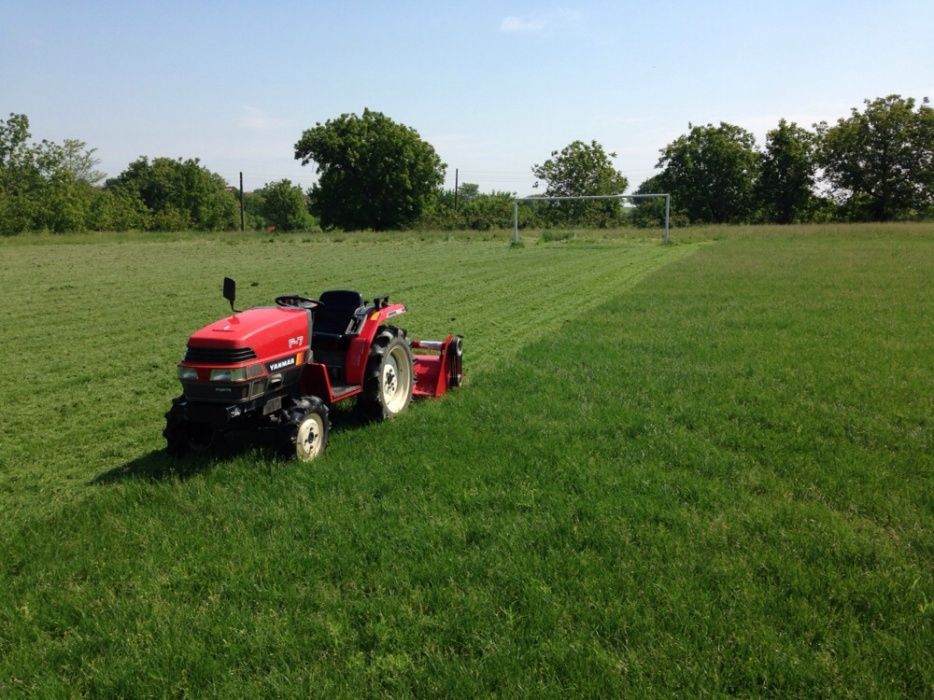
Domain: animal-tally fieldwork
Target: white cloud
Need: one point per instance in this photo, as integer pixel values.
(538, 22)
(257, 119)
(521, 24)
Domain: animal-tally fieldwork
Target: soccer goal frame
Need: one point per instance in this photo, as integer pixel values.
(543, 198)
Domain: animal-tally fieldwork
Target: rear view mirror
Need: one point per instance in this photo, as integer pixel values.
(230, 291)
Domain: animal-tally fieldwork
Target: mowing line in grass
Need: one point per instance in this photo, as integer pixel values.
(725, 490)
(95, 329)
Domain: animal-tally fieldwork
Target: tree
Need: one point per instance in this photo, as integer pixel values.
(785, 188)
(710, 173)
(68, 178)
(44, 186)
(650, 211)
(467, 191)
(880, 162)
(14, 141)
(373, 172)
(20, 180)
(284, 206)
(578, 170)
(80, 161)
(179, 194)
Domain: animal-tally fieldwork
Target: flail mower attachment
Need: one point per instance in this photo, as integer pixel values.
(438, 365)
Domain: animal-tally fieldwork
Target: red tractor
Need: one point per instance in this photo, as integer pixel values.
(284, 366)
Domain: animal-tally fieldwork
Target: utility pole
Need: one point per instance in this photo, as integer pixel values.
(242, 224)
(456, 183)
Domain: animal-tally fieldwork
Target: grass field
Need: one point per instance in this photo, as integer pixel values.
(703, 468)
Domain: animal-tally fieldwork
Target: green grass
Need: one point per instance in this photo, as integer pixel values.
(701, 469)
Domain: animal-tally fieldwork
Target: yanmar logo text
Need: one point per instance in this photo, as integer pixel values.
(281, 364)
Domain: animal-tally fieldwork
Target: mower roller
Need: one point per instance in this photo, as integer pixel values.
(284, 366)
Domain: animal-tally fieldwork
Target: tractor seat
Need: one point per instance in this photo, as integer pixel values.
(334, 317)
(334, 325)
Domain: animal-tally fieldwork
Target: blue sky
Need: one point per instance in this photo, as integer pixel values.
(495, 87)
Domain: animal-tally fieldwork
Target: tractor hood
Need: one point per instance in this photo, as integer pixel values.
(268, 331)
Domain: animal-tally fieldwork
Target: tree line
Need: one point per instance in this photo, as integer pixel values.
(877, 164)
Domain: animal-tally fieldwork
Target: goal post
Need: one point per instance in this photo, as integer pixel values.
(543, 198)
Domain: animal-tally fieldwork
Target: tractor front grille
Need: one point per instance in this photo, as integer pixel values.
(219, 356)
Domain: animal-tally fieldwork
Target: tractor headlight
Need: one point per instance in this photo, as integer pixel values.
(228, 375)
(187, 374)
(236, 374)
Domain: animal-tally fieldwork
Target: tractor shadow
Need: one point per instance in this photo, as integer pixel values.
(155, 466)
(158, 465)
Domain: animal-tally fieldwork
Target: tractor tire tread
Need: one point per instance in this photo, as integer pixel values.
(369, 405)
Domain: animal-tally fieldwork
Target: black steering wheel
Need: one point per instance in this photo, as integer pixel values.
(294, 301)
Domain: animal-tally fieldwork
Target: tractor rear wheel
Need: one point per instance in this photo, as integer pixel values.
(389, 379)
(308, 428)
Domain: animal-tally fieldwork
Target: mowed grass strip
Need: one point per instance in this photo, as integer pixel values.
(718, 481)
(92, 331)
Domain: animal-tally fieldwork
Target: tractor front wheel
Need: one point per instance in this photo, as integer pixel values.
(183, 436)
(387, 387)
(309, 426)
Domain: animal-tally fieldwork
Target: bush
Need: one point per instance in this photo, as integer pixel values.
(178, 194)
(284, 206)
(118, 210)
(478, 212)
